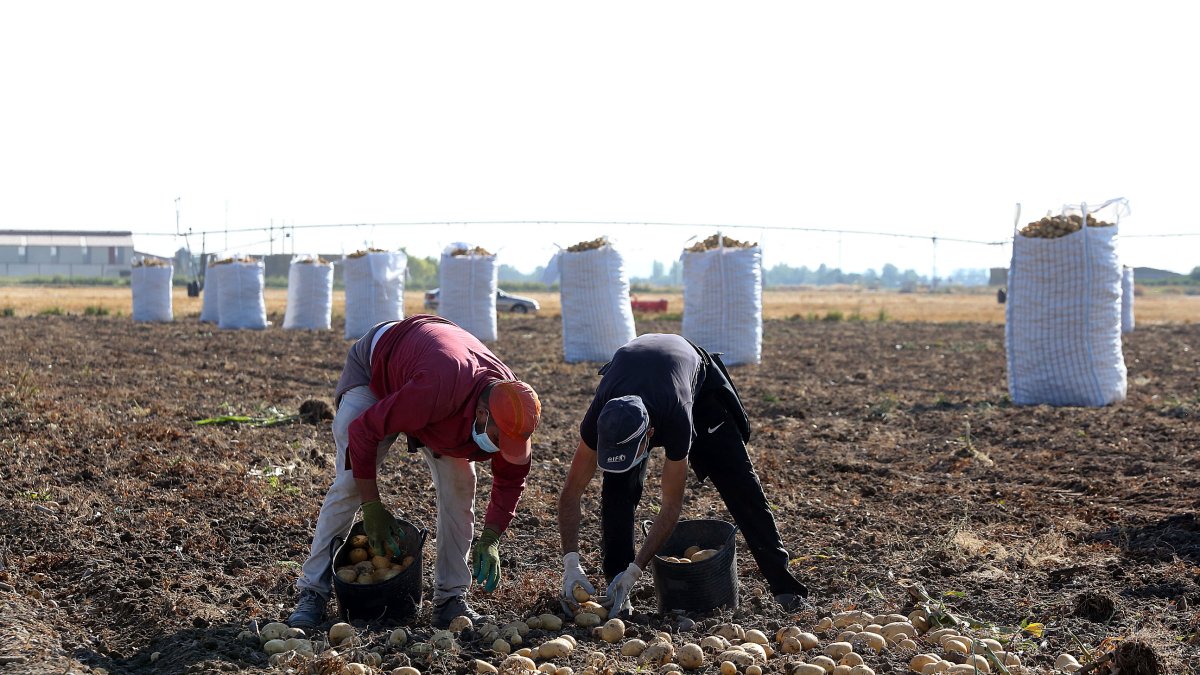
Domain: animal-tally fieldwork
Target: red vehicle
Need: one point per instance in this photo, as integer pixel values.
(648, 305)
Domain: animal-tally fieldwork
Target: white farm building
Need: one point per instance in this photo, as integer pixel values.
(65, 253)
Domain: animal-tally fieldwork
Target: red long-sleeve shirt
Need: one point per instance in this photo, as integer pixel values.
(428, 374)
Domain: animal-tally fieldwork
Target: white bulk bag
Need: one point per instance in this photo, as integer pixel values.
(722, 302)
(151, 292)
(310, 294)
(1062, 327)
(241, 292)
(374, 290)
(210, 310)
(467, 291)
(1127, 323)
(596, 316)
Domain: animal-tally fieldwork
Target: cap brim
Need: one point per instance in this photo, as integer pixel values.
(619, 458)
(516, 450)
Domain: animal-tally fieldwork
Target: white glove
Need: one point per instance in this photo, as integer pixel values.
(573, 574)
(620, 588)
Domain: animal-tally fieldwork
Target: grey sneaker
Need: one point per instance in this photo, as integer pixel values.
(310, 610)
(452, 608)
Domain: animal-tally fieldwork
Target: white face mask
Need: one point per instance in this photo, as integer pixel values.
(482, 439)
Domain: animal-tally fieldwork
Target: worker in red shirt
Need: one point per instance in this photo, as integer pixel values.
(457, 404)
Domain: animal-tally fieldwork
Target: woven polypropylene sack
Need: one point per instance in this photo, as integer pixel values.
(722, 302)
(210, 309)
(374, 290)
(1127, 322)
(310, 295)
(467, 293)
(241, 292)
(596, 315)
(151, 293)
(1062, 328)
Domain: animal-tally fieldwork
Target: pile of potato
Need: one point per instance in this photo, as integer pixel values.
(693, 554)
(361, 253)
(147, 261)
(599, 242)
(1052, 227)
(478, 250)
(367, 566)
(717, 241)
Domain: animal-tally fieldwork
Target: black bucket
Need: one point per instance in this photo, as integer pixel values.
(699, 586)
(397, 598)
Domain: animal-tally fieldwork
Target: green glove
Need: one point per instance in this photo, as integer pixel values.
(485, 560)
(381, 528)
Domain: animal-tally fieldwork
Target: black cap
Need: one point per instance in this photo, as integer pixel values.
(621, 426)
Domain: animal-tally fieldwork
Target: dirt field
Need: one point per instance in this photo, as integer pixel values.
(977, 305)
(132, 540)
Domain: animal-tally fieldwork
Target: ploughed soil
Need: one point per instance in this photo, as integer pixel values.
(134, 540)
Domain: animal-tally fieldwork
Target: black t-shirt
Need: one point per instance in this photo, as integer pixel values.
(664, 370)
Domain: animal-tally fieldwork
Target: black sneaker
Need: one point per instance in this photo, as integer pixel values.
(792, 602)
(310, 610)
(452, 608)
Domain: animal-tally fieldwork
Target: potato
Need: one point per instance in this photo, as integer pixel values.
(939, 666)
(916, 663)
(483, 667)
(276, 646)
(580, 594)
(861, 670)
(824, 662)
(442, 639)
(364, 567)
(358, 555)
(359, 541)
(791, 645)
(730, 631)
(908, 644)
(407, 670)
(340, 633)
(408, 560)
(937, 635)
(299, 645)
(963, 669)
(715, 643)
(1008, 658)
(983, 645)
(633, 647)
(807, 641)
(347, 574)
(524, 651)
(397, 638)
(736, 657)
(756, 650)
(700, 556)
(594, 608)
(657, 653)
(501, 647)
(548, 668)
(727, 668)
(385, 574)
(550, 622)
(807, 669)
(851, 659)
(844, 619)
(980, 663)
(587, 620)
(272, 631)
(565, 670)
(515, 663)
(753, 670)
(460, 623)
(756, 636)
(355, 669)
(365, 579)
(610, 632)
(690, 551)
(824, 624)
(690, 656)
(873, 640)
(837, 650)
(420, 649)
(839, 669)
(380, 562)
(520, 626)
(956, 645)
(557, 648)
(570, 638)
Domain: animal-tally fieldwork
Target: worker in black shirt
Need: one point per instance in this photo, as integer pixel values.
(663, 391)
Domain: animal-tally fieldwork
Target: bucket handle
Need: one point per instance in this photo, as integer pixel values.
(647, 523)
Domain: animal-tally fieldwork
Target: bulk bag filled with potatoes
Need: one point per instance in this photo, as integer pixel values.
(240, 290)
(467, 280)
(1127, 292)
(309, 294)
(150, 280)
(594, 287)
(1062, 329)
(722, 298)
(374, 289)
(210, 309)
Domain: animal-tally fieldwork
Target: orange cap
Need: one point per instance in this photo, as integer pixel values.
(515, 408)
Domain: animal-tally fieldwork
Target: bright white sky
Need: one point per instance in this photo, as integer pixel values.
(907, 117)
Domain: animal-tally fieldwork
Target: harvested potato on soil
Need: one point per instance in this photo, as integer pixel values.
(690, 656)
